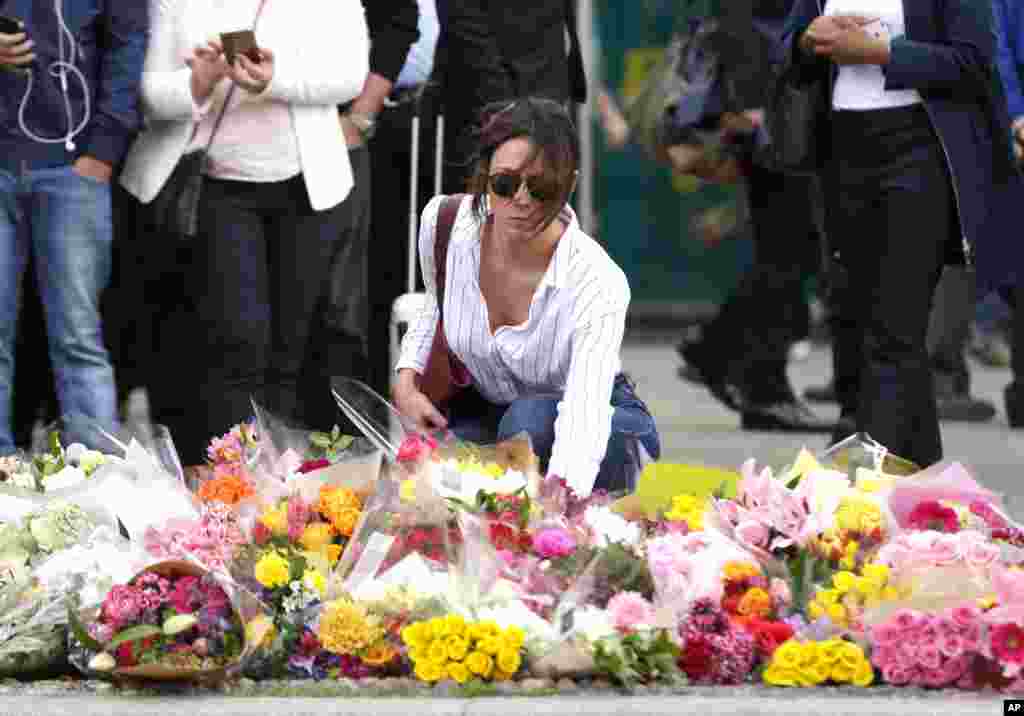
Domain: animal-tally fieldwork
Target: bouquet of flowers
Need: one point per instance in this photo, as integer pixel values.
(449, 647)
(174, 621)
(812, 663)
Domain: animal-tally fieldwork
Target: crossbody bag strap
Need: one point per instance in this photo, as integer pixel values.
(231, 90)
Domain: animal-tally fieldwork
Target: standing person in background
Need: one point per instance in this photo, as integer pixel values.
(389, 158)
(742, 353)
(916, 170)
(1009, 15)
(493, 50)
(57, 160)
(269, 214)
(345, 328)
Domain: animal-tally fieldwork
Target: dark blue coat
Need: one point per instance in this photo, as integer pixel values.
(110, 38)
(948, 56)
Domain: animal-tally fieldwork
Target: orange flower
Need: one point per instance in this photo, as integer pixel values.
(380, 654)
(756, 603)
(341, 506)
(736, 571)
(227, 488)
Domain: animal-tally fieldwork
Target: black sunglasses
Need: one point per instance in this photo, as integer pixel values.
(506, 185)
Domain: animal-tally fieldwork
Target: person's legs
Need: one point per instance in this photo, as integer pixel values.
(72, 234)
(229, 285)
(14, 237)
(632, 427)
(300, 245)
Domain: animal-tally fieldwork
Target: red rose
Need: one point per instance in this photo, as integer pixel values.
(311, 465)
(731, 604)
(260, 533)
(695, 660)
(930, 515)
(525, 541)
(769, 636)
(503, 536)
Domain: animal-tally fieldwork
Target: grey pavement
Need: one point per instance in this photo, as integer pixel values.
(695, 428)
(731, 701)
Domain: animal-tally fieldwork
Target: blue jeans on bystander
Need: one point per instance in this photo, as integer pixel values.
(65, 220)
(473, 419)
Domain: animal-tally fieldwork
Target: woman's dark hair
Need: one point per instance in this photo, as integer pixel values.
(551, 131)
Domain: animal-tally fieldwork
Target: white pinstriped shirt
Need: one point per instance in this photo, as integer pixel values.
(569, 344)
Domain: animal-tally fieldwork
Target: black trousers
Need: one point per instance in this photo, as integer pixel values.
(255, 276)
(390, 153)
(891, 216)
(749, 338)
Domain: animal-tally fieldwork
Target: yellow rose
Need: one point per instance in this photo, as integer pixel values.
(850, 655)
(438, 628)
(815, 611)
(864, 674)
(509, 661)
(416, 636)
(418, 654)
(828, 650)
(842, 674)
(490, 627)
(828, 596)
(779, 676)
(844, 581)
(480, 664)
(276, 520)
(458, 672)
(429, 672)
(837, 613)
(787, 656)
(513, 638)
(476, 632)
(500, 675)
(490, 645)
(438, 652)
(458, 647)
(809, 656)
(455, 625)
(876, 572)
(817, 673)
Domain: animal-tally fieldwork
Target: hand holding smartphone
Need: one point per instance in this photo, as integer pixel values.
(15, 47)
(241, 42)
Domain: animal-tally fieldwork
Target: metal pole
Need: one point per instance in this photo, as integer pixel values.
(585, 114)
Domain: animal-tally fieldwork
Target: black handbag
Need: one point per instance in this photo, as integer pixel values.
(175, 209)
(796, 119)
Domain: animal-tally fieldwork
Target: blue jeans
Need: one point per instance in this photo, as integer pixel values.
(65, 220)
(473, 419)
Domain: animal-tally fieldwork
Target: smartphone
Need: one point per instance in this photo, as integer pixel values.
(10, 26)
(241, 42)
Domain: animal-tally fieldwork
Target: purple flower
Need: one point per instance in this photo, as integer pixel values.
(553, 542)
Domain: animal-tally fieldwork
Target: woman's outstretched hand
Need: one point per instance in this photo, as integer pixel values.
(415, 405)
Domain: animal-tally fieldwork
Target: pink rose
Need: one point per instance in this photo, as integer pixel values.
(944, 550)
(906, 620)
(630, 610)
(929, 656)
(883, 656)
(951, 645)
(934, 677)
(553, 542)
(971, 636)
(966, 615)
(885, 633)
(956, 667)
(416, 448)
(896, 674)
(980, 552)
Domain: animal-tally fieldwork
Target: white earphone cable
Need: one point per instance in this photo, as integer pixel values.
(68, 56)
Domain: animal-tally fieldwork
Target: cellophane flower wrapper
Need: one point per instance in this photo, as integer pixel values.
(866, 462)
(459, 470)
(243, 627)
(406, 535)
(932, 589)
(291, 459)
(34, 604)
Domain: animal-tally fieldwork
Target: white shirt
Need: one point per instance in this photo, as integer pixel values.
(570, 343)
(862, 87)
(321, 53)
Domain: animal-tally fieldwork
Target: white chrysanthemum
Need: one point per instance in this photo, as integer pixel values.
(609, 527)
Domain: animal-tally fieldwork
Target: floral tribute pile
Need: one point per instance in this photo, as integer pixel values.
(462, 565)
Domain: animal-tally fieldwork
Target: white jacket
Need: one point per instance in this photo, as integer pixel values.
(321, 59)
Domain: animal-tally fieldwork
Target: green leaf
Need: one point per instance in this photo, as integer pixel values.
(135, 633)
(344, 442)
(320, 440)
(335, 434)
(80, 632)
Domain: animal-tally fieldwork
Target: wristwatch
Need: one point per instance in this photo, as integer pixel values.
(365, 123)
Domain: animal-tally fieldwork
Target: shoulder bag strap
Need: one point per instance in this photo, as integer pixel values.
(442, 237)
(231, 90)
